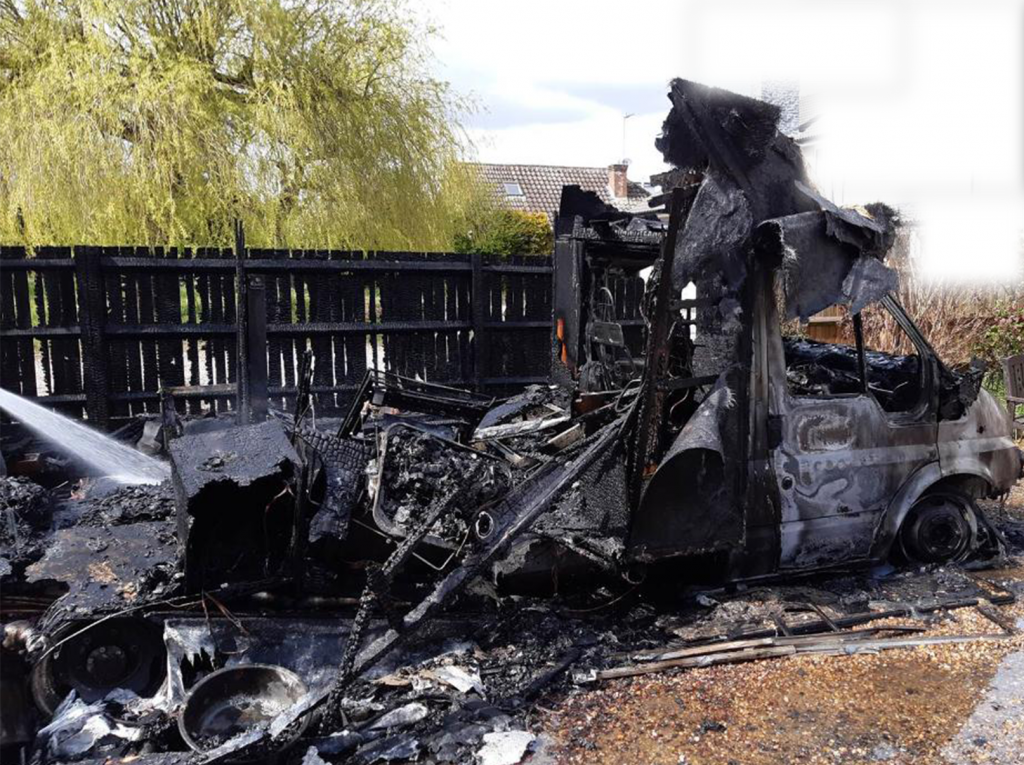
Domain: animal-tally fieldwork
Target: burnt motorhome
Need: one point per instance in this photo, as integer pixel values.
(755, 453)
(855, 455)
(689, 436)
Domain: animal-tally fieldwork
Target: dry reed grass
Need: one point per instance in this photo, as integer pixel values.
(953, 318)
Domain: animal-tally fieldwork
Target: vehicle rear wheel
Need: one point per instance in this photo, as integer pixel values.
(940, 528)
(95, 659)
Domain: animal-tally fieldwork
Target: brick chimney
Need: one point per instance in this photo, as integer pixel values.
(618, 185)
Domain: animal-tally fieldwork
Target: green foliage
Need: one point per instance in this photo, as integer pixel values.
(160, 121)
(508, 232)
(1003, 337)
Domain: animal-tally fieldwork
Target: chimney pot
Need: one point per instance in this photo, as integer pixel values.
(617, 181)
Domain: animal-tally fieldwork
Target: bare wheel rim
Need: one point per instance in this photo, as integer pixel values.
(938, 528)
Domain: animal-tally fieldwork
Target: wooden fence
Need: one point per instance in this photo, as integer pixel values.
(98, 331)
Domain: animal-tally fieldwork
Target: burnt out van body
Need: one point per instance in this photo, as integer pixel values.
(756, 451)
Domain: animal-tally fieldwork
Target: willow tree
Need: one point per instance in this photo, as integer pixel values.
(161, 121)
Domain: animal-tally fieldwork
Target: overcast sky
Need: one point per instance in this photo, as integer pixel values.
(920, 102)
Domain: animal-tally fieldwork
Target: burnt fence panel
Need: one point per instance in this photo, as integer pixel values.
(100, 331)
(41, 349)
(517, 323)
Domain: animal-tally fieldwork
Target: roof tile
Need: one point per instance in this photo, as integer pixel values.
(542, 186)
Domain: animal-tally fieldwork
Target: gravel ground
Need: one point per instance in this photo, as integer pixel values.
(941, 705)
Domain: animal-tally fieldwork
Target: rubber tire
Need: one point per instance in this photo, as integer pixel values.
(941, 527)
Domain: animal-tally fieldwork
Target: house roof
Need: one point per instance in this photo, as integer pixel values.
(541, 186)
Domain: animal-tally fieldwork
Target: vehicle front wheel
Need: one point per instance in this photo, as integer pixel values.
(940, 528)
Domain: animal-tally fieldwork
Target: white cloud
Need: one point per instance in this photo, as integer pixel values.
(531, 54)
(594, 140)
(581, 41)
(921, 101)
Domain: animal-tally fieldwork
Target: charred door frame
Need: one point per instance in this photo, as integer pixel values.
(759, 554)
(928, 403)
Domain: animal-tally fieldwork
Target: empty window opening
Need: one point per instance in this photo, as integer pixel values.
(824, 363)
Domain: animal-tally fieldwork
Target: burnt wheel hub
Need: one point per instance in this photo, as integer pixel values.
(107, 665)
(943, 533)
(939, 528)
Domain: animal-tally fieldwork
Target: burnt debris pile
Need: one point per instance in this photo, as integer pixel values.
(408, 582)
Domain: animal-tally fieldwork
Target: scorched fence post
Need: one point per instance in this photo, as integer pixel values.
(256, 337)
(92, 318)
(241, 329)
(477, 306)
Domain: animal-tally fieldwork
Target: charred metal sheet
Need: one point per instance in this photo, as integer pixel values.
(713, 243)
(709, 125)
(235, 520)
(110, 567)
(747, 173)
(583, 215)
(958, 389)
(831, 256)
(871, 232)
(825, 432)
(587, 205)
(867, 281)
(839, 463)
(687, 507)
